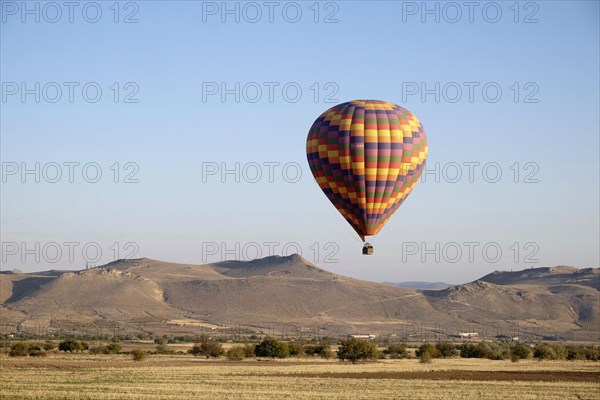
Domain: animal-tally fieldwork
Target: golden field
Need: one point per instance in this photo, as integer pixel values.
(83, 376)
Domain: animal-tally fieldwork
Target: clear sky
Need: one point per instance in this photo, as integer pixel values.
(174, 94)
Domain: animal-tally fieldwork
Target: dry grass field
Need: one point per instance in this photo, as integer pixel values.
(70, 377)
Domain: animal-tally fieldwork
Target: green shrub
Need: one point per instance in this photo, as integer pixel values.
(71, 345)
(428, 348)
(139, 354)
(113, 348)
(545, 352)
(309, 349)
(468, 350)
(396, 351)
(592, 354)
(36, 350)
(484, 350)
(425, 356)
(295, 349)
(561, 352)
(479, 350)
(446, 349)
(164, 349)
(19, 349)
(272, 348)
(236, 353)
(49, 346)
(208, 348)
(577, 352)
(521, 351)
(249, 350)
(321, 349)
(500, 351)
(357, 350)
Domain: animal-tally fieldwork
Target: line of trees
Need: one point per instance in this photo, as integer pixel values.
(268, 348)
(353, 350)
(273, 348)
(504, 351)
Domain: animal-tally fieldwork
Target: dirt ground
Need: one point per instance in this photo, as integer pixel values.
(542, 376)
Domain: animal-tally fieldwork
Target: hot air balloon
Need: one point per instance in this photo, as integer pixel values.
(366, 156)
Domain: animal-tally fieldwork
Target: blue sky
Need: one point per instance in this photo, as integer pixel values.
(167, 127)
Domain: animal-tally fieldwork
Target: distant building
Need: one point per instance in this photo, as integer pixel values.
(467, 335)
(362, 336)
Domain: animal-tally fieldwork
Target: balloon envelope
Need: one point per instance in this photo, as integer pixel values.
(366, 156)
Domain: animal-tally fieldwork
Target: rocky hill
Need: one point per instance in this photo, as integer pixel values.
(156, 295)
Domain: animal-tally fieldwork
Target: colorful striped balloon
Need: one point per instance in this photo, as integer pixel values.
(367, 156)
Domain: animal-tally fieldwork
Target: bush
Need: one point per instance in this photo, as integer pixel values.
(113, 348)
(446, 349)
(425, 357)
(322, 349)
(249, 350)
(574, 353)
(542, 351)
(37, 353)
(164, 349)
(484, 350)
(592, 354)
(480, 350)
(468, 350)
(428, 348)
(98, 349)
(36, 350)
(272, 348)
(295, 349)
(236, 353)
(309, 349)
(500, 351)
(356, 350)
(583, 353)
(139, 354)
(214, 349)
(521, 351)
(208, 348)
(396, 351)
(561, 352)
(70, 345)
(196, 350)
(19, 349)
(49, 346)
(545, 352)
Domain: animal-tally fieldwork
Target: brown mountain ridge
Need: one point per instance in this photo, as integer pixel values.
(155, 295)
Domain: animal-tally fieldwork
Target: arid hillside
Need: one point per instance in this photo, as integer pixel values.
(542, 302)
